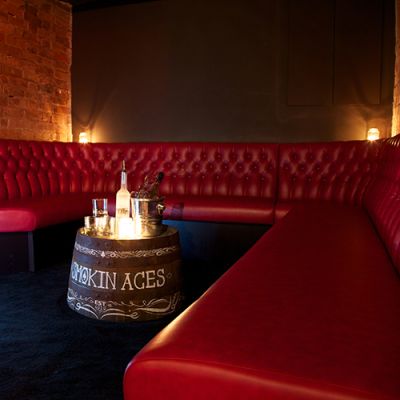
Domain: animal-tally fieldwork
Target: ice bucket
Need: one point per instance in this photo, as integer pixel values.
(147, 213)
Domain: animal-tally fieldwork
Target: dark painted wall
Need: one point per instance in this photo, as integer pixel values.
(238, 70)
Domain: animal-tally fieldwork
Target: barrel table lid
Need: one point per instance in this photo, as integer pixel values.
(109, 247)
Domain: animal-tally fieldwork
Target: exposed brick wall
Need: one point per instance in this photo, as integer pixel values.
(35, 77)
(396, 91)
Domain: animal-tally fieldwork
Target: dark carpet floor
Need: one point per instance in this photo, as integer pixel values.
(48, 351)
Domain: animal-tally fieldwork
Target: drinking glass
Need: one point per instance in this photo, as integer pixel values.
(99, 207)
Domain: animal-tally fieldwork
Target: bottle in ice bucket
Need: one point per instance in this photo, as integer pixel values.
(148, 207)
(150, 187)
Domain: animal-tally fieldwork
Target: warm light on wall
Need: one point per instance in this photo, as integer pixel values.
(83, 137)
(373, 134)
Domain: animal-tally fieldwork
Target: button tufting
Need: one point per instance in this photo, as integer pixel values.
(233, 156)
(254, 167)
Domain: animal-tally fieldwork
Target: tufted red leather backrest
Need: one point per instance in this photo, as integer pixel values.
(219, 169)
(338, 171)
(32, 169)
(382, 199)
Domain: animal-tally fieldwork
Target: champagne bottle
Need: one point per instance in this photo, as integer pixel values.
(122, 203)
(150, 187)
(154, 189)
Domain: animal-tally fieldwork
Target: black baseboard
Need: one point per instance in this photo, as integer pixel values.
(54, 244)
(209, 249)
(16, 252)
(28, 251)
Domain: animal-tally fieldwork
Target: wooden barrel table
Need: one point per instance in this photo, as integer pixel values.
(126, 280)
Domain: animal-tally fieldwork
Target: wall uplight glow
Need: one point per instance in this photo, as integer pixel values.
(83, 137)
(373, 134)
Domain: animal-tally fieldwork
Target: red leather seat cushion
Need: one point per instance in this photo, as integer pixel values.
(246, 210)
(310, 312)
(220, 209)
(283, 207)
(24, 215)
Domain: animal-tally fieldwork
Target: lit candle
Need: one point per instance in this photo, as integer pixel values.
(138, 227)
(125, 228)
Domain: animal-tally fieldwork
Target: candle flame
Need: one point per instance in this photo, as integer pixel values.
(125, 228)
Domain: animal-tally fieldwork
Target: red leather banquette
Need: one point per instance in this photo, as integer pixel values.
(45, 183)
(311, 311)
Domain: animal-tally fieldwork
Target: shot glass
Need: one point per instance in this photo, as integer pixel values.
(90, 225)
(99, 207)
(109, 226)
(99, 226)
